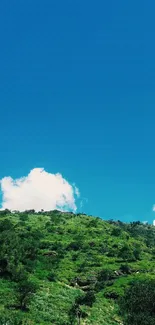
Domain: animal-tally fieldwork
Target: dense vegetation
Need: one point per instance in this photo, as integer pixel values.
(64, 268)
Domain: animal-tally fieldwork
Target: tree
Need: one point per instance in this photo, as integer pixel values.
(103, 277)
(126, 253)
(116, 232)
(138, 304)
(76, 313)
(137, 252)
(25, 290)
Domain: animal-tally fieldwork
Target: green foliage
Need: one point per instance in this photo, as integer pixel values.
(64, 268)
(116, 232)
(126, 253)
(137, 305)
(25, 289)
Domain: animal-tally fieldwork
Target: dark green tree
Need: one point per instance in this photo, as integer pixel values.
(126, 253)
(138, 304)
(25, 289)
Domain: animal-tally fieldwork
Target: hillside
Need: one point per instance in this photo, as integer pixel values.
(64, 268)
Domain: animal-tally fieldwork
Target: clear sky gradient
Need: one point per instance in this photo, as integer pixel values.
(77, 96)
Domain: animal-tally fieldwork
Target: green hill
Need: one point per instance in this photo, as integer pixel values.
(64, 268)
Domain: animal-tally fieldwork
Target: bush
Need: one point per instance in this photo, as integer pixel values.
(116, 232)
(125, 268)
(104, 276)
(52, 277)
(88, 299)
(126, 253)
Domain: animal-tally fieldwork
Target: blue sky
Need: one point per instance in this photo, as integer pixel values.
(77, 96)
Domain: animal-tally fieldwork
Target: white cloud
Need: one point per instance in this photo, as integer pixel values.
(153, 211)
(38, 190)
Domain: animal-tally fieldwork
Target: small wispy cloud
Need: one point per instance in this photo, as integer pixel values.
(153, 209)
(83, 202)
(38, 190)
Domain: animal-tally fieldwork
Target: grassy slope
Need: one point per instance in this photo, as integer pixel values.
(79, 246)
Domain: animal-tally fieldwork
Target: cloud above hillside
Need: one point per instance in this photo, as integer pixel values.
(38, 190)
(153, 211)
